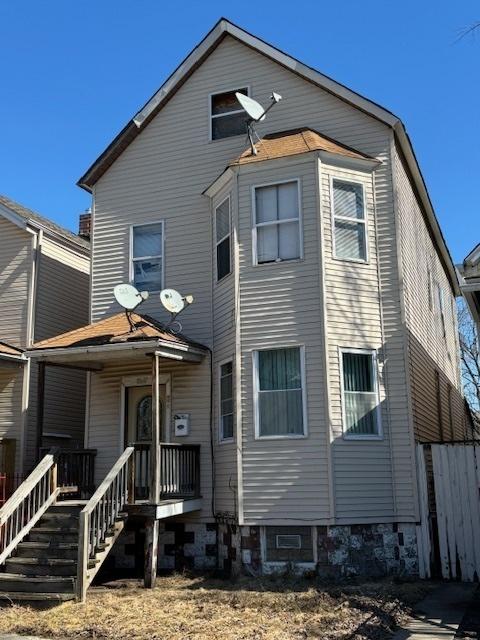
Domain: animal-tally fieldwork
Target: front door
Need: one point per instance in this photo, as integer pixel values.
(139, 432)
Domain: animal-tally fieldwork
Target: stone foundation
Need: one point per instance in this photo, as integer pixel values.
(341, 551)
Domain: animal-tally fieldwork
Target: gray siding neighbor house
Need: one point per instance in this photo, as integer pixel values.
(322, 340)
(44, 285)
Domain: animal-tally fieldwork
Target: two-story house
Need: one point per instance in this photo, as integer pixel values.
(44, 289)
(322, 340)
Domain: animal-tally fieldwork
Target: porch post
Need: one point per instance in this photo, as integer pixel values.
(40, 405)
(155, 453)
(152, 531)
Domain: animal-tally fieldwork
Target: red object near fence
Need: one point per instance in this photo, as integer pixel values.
(8, 485)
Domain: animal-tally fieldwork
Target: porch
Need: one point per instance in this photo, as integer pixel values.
(139, 471)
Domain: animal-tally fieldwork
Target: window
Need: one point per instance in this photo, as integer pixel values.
(361, 411)
(430, 288)
(226, 401)
(147, 256)
(350, 234)
(277, 222)
(227, 118)
(288, 544)
(288, 541)
(222, 239)
(279, 393)
(441, 309)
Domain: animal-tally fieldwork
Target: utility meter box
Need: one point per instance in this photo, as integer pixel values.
(181, 423)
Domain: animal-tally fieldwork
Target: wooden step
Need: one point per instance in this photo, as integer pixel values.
(60, 519)
(53, 534)
(41, 566)
(13, 582)
(34, 599)
(65, 550)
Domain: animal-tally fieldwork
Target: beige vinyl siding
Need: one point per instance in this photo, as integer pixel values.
(11, 387)
(190, 393)
(280, 307)
(15, 267)
(429, 350)
(226, 481)
(162, 174)
(61, 304)
(362, 468)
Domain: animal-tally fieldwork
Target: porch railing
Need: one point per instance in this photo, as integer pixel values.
(100, 516)
(179, 470)
(26, 506)
(76, 468)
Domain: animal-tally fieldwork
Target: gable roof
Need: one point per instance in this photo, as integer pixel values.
(195, 58)
(114, 330)
(31, 217)
(294, 142)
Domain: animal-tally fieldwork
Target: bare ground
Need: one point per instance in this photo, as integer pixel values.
(203, 608)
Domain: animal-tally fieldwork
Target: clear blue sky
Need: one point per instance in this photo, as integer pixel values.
(73, 72)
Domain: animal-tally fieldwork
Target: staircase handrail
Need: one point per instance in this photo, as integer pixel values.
(27, 504)
(100, 514)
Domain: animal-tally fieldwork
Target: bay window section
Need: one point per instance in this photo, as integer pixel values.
(360, 398)
(349, 221)
(277, 234)
(280, 389)
(147, 257)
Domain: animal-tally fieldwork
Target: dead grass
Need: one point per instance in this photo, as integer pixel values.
(198, 608)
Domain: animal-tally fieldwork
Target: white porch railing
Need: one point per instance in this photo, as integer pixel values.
(100, 520)
(27, 505)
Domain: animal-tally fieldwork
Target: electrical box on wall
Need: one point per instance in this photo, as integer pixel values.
(181, 423)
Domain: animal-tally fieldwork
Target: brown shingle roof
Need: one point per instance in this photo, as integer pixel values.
(29, 215)
(294, 142)
(113, 330)
(8, 350)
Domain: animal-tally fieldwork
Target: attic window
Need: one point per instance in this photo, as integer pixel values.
(227, 118)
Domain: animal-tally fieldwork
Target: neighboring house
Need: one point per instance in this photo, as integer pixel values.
(44, 287)
(470, 272)
(322, 339)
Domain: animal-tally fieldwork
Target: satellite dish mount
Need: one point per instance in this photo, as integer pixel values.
(129, 298)
(256, 113)
(174, 303)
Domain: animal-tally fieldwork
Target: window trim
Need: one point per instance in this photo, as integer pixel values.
(131, 259)
(361, 436)
(333, 217)
(256, 392)
(210, 115)
(253, 188)
(221, 439)
(227, 197)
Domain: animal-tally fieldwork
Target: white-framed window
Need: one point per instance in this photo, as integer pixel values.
(349, 221)
(441, 309)
(279, 391)
(288, 541)
(226, 400)
(227, 117)
(277, 234)
(147, 255)
(360, 395)
(222, 239)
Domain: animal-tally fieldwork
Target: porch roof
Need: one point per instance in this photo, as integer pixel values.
(114, 336)
(8, 353)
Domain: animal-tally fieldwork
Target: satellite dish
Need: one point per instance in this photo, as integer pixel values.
(256, 112)
(128, 296)
(253, 108)
(172, 300)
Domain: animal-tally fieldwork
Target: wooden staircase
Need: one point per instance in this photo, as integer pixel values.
(50, 550)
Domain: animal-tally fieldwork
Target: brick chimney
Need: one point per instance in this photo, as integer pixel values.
(84, 224)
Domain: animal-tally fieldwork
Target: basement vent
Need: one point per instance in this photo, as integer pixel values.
(288, 541)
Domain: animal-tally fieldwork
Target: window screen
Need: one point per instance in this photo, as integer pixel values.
(349, 221)
(360, 396)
